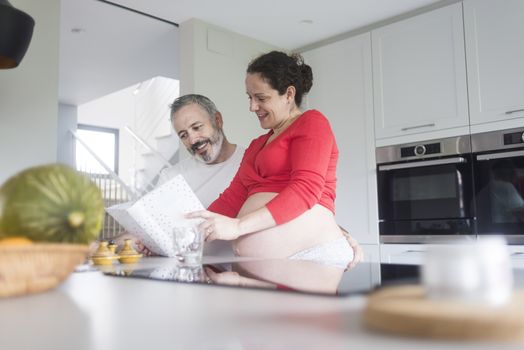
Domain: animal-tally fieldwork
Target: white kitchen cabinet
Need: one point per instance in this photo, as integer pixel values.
(371, 253)
(517, 256)
(415, 254)
(495, 54)
(409, 254)
(419, 75)
(342, 90)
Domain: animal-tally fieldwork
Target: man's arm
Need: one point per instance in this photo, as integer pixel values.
(358, 254)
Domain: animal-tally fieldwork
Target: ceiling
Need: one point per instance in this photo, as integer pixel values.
(280, 22)
(104, 48)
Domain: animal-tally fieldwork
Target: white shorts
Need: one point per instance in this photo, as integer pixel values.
(337, 253)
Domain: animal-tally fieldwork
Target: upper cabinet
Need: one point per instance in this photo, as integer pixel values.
(419, 74)
(494, 34)
(342, 90)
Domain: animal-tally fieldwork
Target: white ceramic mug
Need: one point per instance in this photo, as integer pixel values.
(477, 271)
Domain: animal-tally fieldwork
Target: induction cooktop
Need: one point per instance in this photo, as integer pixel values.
(279, 275)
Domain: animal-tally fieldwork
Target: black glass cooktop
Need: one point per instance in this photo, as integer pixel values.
(280, 275)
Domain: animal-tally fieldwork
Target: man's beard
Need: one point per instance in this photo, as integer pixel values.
(215, 143)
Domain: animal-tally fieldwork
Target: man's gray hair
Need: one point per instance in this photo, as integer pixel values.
(200, 100)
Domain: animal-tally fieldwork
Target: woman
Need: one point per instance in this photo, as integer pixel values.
(281, 202)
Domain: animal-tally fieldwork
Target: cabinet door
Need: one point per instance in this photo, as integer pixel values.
(494, 33)
(342, 91)
(408, 254)
(419, 74)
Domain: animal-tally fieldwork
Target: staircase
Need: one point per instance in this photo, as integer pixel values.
(150, 142)
(156, 145)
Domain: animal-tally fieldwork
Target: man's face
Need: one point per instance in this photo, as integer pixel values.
(197, 133)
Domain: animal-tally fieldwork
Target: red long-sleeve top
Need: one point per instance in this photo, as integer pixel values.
(299, 164)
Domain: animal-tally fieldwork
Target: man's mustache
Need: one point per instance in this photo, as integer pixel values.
(198, 144)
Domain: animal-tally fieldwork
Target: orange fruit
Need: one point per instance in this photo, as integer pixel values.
(15, 241)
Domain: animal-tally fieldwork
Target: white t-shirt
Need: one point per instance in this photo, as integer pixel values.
(208, 181)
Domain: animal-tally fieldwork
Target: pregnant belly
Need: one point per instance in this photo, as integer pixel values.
(315, 226)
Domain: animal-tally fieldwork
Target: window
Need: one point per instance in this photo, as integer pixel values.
(103, 142)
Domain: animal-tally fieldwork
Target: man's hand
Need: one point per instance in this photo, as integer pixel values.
(138, 245)
(358, 254)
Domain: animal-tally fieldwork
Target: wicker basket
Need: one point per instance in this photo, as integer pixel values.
(37, 267)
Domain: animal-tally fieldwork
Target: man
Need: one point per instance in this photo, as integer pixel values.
(213, 160)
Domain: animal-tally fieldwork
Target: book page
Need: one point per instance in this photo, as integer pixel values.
(153, 217)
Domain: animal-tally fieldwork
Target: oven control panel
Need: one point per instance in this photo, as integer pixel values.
(514, 138)
(420, 150)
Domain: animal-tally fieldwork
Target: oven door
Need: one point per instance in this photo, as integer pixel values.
(426, 198)
(499, 196)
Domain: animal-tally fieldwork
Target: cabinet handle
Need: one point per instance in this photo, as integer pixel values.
(515, 111)
(412, 251)
(418, 126)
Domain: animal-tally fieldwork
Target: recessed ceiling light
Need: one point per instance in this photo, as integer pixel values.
(306, 21)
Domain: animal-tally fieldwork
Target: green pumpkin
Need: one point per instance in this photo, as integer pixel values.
(51, 203)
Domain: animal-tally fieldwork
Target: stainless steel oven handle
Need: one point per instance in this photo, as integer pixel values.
(418, 164)
(500, 155)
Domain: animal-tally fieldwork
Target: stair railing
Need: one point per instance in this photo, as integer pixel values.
(147, 146)
(130, 193)
(150, 184)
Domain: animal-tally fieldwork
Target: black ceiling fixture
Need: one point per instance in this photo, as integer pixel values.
(16, 30)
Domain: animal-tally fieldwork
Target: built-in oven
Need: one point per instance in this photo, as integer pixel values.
(499, 183)
(425, 191)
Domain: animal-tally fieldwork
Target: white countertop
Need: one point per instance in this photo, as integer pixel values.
(94, 311)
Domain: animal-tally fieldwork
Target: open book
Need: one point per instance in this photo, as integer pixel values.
(153, 217)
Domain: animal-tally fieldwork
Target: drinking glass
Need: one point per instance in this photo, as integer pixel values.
(189, 244)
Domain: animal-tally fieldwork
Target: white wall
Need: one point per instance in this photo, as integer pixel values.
(29, 95)
(67, 120)
(115, 110)
(213, 63)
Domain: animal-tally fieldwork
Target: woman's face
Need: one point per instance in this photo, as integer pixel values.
(271, 108)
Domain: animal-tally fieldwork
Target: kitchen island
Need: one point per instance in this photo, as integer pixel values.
(91, 310)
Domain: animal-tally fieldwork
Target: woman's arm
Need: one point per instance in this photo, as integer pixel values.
(217, 226)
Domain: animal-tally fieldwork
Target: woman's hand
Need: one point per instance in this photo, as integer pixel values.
(216, 226)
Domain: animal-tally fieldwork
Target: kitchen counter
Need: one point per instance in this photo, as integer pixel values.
(91, 310)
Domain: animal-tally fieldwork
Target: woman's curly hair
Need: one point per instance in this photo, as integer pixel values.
(281, 70)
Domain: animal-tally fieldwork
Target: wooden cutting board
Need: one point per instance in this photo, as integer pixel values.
(406, 310)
